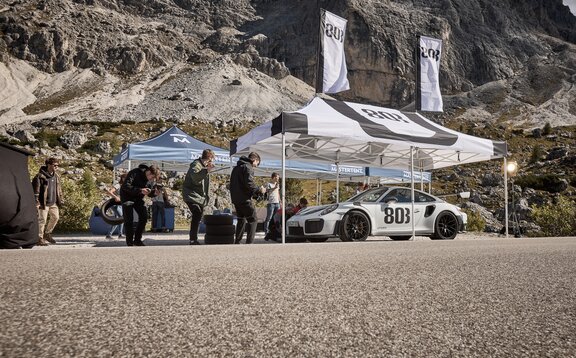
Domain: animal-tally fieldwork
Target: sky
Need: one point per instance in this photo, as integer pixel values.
(571, 4)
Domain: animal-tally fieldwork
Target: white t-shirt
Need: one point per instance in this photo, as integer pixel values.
(273, 190)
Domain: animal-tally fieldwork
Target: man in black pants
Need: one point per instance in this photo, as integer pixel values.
(132, 194)
(242, 189)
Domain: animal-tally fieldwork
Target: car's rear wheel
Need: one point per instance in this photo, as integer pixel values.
(400, 238)
(355, 227)
(446, 226)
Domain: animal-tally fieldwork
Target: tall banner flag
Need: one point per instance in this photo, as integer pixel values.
(428, 95)
(333, 59)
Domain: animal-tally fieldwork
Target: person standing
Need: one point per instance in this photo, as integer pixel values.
(114, 192)
(48, 193)
(195, 190)
(132, 194)
(242, 189)
(273, 191)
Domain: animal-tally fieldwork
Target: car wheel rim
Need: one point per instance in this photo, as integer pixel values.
(447, 226)
(357, 227)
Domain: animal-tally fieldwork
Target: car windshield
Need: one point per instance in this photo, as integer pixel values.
(370, 196)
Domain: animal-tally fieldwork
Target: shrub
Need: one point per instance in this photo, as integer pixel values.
(537, 153)
(547, 129)
(79, 199)
(556, 219)
(294, 190)
(475, 221)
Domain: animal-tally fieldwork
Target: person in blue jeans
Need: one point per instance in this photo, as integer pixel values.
(117, 209)
(273, 192)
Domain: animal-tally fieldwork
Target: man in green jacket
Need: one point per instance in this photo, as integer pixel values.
(195, 190)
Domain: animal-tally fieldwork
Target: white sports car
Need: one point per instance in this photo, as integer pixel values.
(383, 211)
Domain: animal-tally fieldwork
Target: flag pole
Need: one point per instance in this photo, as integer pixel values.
(319, 57)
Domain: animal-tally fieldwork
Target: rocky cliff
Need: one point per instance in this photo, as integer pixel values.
(119, 52)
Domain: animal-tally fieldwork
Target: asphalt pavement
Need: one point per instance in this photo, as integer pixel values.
(470, 297)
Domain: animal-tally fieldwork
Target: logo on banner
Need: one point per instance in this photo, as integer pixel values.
(336, 33)
(430, 53)
(180, 138)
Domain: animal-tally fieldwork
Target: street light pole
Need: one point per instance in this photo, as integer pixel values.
(510, 169)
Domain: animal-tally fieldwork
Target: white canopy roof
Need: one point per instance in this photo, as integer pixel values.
(361, 134)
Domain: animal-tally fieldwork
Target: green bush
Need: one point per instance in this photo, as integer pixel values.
(475, 221)
(537, 153)
(79, 199)
(547, 129)
(556, 219)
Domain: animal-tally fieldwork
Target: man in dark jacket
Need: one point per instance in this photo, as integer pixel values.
(242, 189)
(195, 190)
(48, 192)
(138, 183)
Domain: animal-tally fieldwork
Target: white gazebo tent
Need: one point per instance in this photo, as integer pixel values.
(361, 134)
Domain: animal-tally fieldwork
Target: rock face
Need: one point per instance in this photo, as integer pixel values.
(526, 48)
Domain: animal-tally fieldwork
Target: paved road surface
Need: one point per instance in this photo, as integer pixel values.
(468, 297)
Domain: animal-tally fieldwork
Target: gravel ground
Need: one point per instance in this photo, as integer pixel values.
(474, 296)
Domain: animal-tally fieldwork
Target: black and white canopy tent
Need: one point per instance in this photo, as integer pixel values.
(361, 134)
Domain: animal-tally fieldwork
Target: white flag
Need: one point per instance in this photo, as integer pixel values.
(332, 30)
(430, 96)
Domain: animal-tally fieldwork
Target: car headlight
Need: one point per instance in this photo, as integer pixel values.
(329, 209)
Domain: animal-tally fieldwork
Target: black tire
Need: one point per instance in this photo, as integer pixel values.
(218, 220)
(400, 238)
(219, 239)
(317, 239)
(355, 227)
(446, 226)
(220, 230)
(107, 215)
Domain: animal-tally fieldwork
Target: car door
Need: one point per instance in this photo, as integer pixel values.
(395, 214)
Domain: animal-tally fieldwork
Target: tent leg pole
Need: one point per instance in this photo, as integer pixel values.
(317, 192)
(283, 188)
(412, 189)
(320, 194)
(337, 182)
(506, 196)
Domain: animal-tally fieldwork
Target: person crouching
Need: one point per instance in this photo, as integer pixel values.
(132, 194)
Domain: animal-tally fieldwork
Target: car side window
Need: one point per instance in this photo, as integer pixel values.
(401, 195)
(423, 198)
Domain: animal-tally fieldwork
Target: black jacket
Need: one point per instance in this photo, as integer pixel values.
(133, 184)
(242, 187)
(40, 186)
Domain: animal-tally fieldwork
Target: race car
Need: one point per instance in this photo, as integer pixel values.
(382, 211)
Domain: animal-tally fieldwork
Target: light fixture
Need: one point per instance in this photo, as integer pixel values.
(512, 168)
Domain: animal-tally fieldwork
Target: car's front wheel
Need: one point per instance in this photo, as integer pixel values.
(355, 227)
(446, 226)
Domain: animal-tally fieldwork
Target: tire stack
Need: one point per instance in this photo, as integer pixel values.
(220, 229)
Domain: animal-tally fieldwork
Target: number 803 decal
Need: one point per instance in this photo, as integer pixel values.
(396, 215)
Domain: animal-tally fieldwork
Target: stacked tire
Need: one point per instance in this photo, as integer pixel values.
(220, 229)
